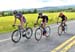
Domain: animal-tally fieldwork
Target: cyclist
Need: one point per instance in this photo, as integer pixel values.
(44, 21)
(20, 17)
(63, 17)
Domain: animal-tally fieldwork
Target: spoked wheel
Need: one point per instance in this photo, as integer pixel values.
(16, 36)
(38, 34)
(65, 31)
(48, 29)
(29, 33)
(60, 30)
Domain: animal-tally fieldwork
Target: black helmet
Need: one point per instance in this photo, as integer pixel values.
(40, 13)
(15, 12)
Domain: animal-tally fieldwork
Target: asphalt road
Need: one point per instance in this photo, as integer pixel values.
(72, 49)
(44, 45)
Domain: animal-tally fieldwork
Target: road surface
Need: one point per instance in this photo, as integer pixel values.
(44, 45)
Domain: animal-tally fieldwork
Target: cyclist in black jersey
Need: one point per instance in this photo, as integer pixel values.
(63, 17)
(44, 21)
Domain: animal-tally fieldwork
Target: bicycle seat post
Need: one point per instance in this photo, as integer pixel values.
(19, 27)
(26, 24)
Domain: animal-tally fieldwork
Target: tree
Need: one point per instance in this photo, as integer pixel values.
(2, 13)
(35, 11)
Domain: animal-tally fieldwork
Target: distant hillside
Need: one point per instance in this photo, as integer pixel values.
(57, 8)
(52, 8)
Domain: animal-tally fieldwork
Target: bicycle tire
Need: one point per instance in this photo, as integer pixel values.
(38, 39)
(48, 32)
(28, 37)
(12, 36)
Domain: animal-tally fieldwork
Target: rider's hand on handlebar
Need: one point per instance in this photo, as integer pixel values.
(57, 22)
(13, 25)
(35, 24)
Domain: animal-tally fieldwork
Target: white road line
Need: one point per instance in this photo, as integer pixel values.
(5, 40)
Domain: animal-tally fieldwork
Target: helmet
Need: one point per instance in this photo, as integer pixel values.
(61, 13)
(15, 12)
(40, 13)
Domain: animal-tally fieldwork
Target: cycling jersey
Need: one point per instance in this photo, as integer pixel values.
(63, 17)
(43, 18)
(19, 15)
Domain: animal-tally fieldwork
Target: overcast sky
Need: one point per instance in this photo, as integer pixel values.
(19, 4)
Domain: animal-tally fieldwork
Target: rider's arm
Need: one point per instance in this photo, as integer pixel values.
(15, 21)
(37, 19)
(45, 20)
(57, 19)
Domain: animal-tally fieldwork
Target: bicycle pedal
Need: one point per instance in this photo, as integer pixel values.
(59, 34)
(38, 28)
(23, 35)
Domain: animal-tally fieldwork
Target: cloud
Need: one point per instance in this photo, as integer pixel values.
(44, 0)
(18, 4)
(59, 2)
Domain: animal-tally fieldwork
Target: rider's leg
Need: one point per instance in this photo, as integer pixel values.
(22, 22)
(22, 25)
(64, 22)
(23, 30)
(64, 25)
(43, 26)
(61, 26)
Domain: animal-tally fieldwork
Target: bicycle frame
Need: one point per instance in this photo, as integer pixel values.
(21, 32)
(63, 29)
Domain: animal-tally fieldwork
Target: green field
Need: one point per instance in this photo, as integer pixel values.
(7, 22)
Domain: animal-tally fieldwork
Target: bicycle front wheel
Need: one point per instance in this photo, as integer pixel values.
(38, 34)
(16, 36)
(59, 30)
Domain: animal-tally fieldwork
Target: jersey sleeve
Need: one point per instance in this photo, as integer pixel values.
(47, 18)
(38, 17)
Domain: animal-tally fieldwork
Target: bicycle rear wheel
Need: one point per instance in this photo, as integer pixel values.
(38, 34)
(29, 33)
(65, 29)
(48, 29)
(16, 36)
